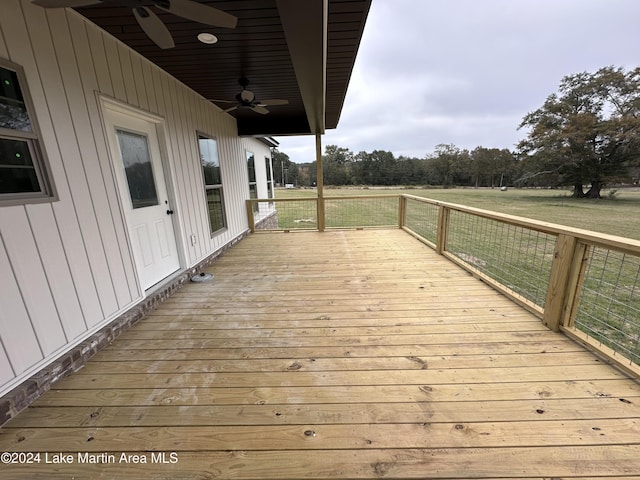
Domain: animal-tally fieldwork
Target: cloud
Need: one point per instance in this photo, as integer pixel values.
(467, 71)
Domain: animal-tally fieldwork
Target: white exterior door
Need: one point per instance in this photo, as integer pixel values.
(138, 164)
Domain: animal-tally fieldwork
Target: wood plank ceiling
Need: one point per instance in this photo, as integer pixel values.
(277, 46)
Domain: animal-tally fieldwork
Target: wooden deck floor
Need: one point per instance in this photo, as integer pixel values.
(342, 355)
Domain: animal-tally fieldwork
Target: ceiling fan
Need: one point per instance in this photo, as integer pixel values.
(155, 29)
(246, 99)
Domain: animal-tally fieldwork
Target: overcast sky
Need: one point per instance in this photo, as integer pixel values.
(465, 72)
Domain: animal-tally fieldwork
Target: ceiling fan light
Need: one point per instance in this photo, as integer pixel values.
(208, 38)
(247, 96)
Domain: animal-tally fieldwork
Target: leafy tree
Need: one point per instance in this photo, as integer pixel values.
(284, 170)
(410, 171)
(491, 166)
(375, 168)
(336, 165)
(588, 132)
(448, 165)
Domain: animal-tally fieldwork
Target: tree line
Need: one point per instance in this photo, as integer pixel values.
(447, 166)
(586, 135)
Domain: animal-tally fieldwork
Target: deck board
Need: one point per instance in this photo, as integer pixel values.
(343, 355)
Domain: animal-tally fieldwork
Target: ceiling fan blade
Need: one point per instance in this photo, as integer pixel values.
(198, 12)
(153, 27)
(259, 109)
(231, 109)
(273, 102)
(64, 3)
(221, 101)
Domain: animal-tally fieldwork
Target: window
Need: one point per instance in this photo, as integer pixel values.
(253, 186)
(23, 173)
(212, 183)
(267, 163)
(138, 168)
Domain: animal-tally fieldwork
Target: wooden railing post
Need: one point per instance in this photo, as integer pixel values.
(574, 284)
(321, 214)
(250, 218)
(402, 211)
(443, 229)
(559, 287)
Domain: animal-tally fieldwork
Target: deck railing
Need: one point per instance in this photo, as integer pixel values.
(584, 283)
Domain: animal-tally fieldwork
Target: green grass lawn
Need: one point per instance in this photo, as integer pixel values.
(617, 216)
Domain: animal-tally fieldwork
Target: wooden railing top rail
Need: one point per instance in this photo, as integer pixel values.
(622, 244)
(280, 200)
(358, 197)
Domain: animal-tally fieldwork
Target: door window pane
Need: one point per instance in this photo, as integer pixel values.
(17, 172)
(138, 168)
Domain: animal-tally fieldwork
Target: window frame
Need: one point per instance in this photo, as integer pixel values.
(207, 188)
(253, 184)
(33, 141)
(270, 189)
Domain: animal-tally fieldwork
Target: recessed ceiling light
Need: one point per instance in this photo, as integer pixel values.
(209, 38)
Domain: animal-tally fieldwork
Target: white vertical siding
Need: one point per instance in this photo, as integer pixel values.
(260, 151)
(91, 63)
(67, 266)
(60, 280)
(18, 337)
(30, 275)
(6, 372)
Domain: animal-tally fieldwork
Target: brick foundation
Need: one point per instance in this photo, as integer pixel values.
(270, 222)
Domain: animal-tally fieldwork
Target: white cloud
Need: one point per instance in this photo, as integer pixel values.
(467, 71)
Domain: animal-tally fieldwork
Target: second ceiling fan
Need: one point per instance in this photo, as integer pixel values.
(246, 99)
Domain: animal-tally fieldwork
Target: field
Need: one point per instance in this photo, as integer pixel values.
(617, 216)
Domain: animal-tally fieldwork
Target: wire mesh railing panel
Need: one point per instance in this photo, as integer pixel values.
(609, 305)
(422, 218)
(517, 257)
(288, 215)
(374, 211)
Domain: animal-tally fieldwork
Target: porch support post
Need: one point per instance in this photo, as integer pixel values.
(320, 183)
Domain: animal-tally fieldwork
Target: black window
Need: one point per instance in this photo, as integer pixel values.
(23, 173)
(212, 182)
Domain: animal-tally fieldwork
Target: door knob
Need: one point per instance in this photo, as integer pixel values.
(169, 212)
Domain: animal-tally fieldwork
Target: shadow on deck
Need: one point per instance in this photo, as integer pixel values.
(344, 354)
